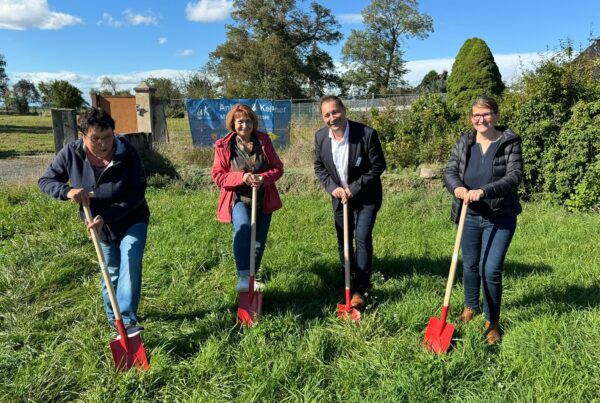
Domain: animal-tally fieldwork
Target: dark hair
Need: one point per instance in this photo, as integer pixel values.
(487, 102)
(327, 98)
(95, 117)
(240, 110)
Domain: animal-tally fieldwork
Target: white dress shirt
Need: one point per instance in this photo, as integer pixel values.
(339, 152)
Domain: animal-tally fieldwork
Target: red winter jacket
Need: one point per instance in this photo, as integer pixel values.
(227, 181)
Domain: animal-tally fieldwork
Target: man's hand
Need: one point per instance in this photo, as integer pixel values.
(460, 192)
(79, 196)
(340, 193)
(348, 193)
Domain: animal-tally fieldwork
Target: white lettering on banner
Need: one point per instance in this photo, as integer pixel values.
(271, 108)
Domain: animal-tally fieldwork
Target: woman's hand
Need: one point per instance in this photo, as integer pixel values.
(473, 195)
(97, 224)
(253, 180)
(460, 192)
(79, 196)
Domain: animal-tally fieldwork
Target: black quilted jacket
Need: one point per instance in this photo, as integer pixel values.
(500, 194)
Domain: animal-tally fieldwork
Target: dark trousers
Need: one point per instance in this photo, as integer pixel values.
(484, 245)
(360, 222)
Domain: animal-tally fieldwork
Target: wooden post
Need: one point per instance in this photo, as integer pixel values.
(64, 125)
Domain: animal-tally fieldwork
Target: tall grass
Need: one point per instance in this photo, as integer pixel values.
(54, 335)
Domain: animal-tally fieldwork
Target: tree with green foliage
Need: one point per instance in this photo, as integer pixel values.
(433, 83)
(169, 93)
(538, 108)
(61, 94)
(21, 95)
(474, 73)
(197, 85)
(3, 77)
(273, 51)
(373, 56)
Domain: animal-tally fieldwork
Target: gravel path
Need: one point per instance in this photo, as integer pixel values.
(24, 170)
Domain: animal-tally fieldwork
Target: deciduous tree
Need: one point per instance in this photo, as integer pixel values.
(373, 56)
(273, 51)
(61, 94)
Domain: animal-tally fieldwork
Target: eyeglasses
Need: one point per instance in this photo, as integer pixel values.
(485, 116)
(96, 139)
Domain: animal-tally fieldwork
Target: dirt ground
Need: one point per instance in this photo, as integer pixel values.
(24, 170)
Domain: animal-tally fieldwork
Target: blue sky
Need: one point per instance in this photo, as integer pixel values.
(128, 40)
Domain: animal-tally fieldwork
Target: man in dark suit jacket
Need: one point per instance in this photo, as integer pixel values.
(349, 161)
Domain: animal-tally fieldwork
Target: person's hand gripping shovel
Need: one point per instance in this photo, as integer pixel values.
(127, 351)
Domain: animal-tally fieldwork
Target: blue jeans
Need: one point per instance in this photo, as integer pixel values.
(360, 223)
(124, 260)
(484, 245)
(240, 218)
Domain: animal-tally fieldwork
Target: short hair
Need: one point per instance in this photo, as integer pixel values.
(487, 102)
(95, 117)
(327, 98)
(240, 110)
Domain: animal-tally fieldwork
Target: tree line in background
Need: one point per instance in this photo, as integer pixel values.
(273, 50)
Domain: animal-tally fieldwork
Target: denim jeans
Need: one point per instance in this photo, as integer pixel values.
(360, 223)
(240, 218)
(484, 245)
(124, 260)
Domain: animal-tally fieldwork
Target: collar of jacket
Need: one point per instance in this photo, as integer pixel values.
(222, 142)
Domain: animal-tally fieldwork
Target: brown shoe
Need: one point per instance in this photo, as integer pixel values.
(466, 316)
(492, 332)
(358, 301)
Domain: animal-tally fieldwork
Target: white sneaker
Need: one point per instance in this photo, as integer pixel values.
(243, 284)
(258, 286)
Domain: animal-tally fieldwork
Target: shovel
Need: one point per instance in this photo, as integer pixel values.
(127, 351)
(345, 310)
(438, 334)
(251, 302)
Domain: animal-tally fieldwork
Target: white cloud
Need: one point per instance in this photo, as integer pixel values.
(162, 40)
(350, 18)
(33, 14)
(134, 18)
(208, 10)
(185, 52)
(130, 18)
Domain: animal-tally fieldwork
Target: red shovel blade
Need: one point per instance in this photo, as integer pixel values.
(250, 307)
(352, 313)
(438, 336)
(129, 354)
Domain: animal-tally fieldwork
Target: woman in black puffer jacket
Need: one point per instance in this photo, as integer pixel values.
(484, 171)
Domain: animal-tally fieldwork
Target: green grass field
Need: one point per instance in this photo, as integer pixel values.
(25, 135)
(54, 336)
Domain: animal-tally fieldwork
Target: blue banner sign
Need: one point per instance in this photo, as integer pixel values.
(207, 118)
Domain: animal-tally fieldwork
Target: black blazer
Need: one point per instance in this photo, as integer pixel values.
(365, 166)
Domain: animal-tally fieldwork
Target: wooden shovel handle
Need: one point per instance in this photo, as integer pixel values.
(253, 233)
(459, 232)
(346, 253)
(103, 268)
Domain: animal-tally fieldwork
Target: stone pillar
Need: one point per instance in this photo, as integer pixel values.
(64, 125)
(143, 106)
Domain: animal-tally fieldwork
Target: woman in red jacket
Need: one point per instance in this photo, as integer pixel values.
(245, 158)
